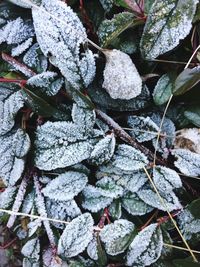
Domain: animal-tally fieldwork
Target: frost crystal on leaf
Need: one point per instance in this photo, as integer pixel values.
(168, 22)
(108, 188)
(165, 179)
(16, 51)
(143, 129)
(76, 236)
(25, 3)
(146, 247)
(187, 162)
(6, 198)
(92, 250)
(121, 78)
(61, 39)
(66, 186)
(107, 4)
(128, 158)
(11, 100)
(14, 146)
(31, 249)
(117, 236)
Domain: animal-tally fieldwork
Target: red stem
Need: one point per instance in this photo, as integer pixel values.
(7, 245)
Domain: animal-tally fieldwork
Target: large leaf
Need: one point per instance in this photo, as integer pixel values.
(11, 100)
(76, 236)
(146, 247)
(117, 236)
(186, 80)
(65, 186)
(167, 23)
(61, 40)
(14, 147)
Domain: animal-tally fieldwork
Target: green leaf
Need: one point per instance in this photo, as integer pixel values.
(194, 208)
(115, 209)
(163, 89)
(187, 79)
(167, 23)
(192, 113)
(111, 29)
(102, 258)
(185, 263)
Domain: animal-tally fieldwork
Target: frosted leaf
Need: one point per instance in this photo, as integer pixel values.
(94, 200)
(30, 263)
(165, 179)
(66, 186)
(92, 249)
(128, 158)
(168, 22)
(61, 39)
(17, 31)
(107, 4)
(152, 199)
(14, 146)
(108, 188)
(11, 100)
(25, 3)
(143, 129)
(31, 249)
(188, 224)
(7, 198)
(52, 260)
(121, 78)
(187, 162)
(188, 139)
(35, 59)
(115, 209)
(62, 210)
(33, 226)
(146, 247)
(134, 205)
(76, 236)
(103, 150)
(21, 48)
(60, 144)
(117, 236)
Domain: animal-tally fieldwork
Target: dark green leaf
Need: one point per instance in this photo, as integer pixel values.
(186, 80)
(193, 114)
(185, 263)
(194, 208)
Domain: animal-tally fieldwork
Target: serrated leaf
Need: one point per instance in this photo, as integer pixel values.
(134, 205)
(11, 101)
(103, 150)
(64, 49)
(128, 158)
(111, 29)
(65, 186)
(165, 179)
(187, 79)
(94, 200)
(143, 128)
(187, 162)
(76, 236)
(146, 247)
(167, 23)
(14, 147)
(31, 249)
(117, 236)
(163, 89)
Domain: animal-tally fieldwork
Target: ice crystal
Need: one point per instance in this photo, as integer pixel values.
(94, 200)
(21, 48)
(14, 146)
(143, 129)
(76, 236)
(30, 263)
(128, 158)
(108, 188)
(168, 22)
(165, 179)
(61, 39)
(187, 162)
(121, 78)
(6, 198)
(107, 4)
(103, 150)
(134, 205)
(33, 226)
(66, 186)
(11, 100)
(31, 249)
(146, 247)
(116, 236)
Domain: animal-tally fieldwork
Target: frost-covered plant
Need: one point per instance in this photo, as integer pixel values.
(80, 181)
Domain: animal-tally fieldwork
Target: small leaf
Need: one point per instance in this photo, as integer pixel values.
(163, 89)
(66, 186)
(194, 208)
(115, 209)
(117, 236)
(192, 113)
(146, 247)
(7, 198)
(167, 23)
(187, 79)
(76, 236)
(31, 249)
(187, 162)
